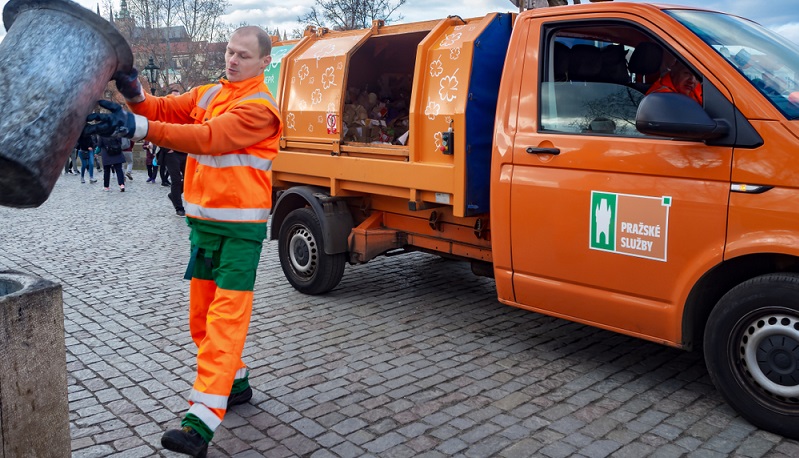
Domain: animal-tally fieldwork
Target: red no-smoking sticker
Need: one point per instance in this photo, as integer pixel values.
(332, 123)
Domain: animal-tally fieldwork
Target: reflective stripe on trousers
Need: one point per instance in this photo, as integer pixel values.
(218, 320)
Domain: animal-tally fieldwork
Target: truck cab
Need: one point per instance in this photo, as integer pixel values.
(656, 215)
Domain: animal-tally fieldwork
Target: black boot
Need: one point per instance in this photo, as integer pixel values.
(186, 441)
(239, 398)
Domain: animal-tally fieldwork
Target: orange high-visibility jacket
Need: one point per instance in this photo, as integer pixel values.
(665, 84)
(231, 133)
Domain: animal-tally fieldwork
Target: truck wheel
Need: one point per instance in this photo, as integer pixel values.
(751, 347)
(302, 254)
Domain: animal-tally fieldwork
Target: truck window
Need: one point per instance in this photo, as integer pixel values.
(594, 76)
(768, 61)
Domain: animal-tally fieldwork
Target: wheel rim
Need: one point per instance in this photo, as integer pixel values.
(769, 352)
(302, 250)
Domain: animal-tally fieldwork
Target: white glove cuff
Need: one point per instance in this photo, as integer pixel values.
(142, 127)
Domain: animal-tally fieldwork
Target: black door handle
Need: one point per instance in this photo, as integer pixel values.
(552, 151)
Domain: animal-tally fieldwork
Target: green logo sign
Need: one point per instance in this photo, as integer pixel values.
(630, 225)
(272, 71)
(603, 221)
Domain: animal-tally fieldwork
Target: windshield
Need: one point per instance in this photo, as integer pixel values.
(770, 62)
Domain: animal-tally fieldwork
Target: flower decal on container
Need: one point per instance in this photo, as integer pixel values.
(328, 78)
(454, 53)
(450, 39)
(303, 72)
(290, 121)
(316, 97)
(436, 68)
(448, 86)
(303, 105)
(432, 109)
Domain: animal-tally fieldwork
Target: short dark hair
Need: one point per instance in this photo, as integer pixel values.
(264, 40)
(679, 66)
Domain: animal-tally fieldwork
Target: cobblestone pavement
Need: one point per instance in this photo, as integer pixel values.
(409, 356)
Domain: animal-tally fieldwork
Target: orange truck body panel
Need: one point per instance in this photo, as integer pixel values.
(544, 255)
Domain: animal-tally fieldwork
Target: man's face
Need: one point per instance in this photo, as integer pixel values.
(684, 81)
(242, 58)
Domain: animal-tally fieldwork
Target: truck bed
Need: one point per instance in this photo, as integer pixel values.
(346, 97)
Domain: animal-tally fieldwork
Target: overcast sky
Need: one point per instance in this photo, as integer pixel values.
(779, 15)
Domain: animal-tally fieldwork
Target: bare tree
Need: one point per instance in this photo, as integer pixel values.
(178, 35)
(351, 14)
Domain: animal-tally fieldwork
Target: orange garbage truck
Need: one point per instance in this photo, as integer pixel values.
(532, 146)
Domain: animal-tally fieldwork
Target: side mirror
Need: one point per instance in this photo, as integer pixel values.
(673, 115)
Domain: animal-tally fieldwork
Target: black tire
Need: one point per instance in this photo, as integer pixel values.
(751, 350)
(302, 254)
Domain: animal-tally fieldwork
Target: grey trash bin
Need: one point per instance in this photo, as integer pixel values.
(55, 63)
(34, 409)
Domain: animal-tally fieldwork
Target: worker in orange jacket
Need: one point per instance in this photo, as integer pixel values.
(681, 80)
(231, 131)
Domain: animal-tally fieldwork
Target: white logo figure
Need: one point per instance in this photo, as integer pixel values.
(603, 215)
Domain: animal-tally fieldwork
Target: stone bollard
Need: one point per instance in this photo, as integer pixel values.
(55, 63)
(34, 409)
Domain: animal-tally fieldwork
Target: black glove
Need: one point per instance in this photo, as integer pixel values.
(117, 123)
(128, 83)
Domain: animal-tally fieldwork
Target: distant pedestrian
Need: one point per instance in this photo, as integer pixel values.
(127, 151)
(98, 161)
(150, 161)
(71, 167)
(85, 149)
(111, 152)
(160, 157)
(175, 162)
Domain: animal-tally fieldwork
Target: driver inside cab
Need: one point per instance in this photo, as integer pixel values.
(681, 80)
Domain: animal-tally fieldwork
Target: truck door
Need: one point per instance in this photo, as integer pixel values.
(608, 225)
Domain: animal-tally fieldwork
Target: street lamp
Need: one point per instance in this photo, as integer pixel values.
(152, 73)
